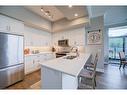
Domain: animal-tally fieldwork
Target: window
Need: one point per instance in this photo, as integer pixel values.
(117, 41)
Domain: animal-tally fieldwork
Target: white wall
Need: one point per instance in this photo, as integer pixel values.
(95, 11)
(96, 24)
(106, 46)
(115, 15)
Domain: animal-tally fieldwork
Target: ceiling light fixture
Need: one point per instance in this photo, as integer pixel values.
(75, 14)
(47, 13)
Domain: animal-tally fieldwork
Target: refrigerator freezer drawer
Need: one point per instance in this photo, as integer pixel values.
(11, 75)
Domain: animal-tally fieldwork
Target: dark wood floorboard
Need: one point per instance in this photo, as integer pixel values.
(112, 78)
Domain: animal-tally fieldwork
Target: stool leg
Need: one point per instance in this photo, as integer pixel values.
(95, 81)
(120, 65)
(78, 81)
(124, 66)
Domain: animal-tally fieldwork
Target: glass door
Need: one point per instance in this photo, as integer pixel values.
(116, 44)
(125, 46)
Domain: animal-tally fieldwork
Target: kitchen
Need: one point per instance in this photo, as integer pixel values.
(52, 35)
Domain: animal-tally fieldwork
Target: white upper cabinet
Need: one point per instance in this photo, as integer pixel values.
(36, 37)
(4, 24)
(10, 25)
(76, 37)
(16, 27)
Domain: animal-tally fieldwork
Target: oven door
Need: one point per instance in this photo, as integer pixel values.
(60, 55)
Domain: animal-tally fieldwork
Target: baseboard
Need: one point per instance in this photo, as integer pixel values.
(100, 70)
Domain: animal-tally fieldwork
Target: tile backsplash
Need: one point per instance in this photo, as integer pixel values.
(39, 49)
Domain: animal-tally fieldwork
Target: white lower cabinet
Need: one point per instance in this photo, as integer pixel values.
(28, 64)
(32, 62)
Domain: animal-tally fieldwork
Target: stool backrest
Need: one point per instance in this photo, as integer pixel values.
(122, 56)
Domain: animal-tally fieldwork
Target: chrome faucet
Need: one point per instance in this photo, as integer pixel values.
(76, 50)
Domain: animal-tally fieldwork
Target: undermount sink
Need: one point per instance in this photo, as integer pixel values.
(70, 57)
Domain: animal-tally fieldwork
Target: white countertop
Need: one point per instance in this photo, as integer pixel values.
(38, 53)
(68, 66)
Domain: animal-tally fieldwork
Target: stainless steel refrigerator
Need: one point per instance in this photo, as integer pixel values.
(11, 59)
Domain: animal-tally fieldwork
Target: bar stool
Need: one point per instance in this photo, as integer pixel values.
(88, 74)
(123, 60)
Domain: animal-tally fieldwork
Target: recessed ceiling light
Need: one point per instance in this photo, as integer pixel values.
(70, 6)
(75, 14)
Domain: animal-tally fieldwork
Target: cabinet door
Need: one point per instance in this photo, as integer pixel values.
(51, 79)
(10, 25)
(4, 24)
(27, 41)
(37, 62)
(16, 27)
(28, 64)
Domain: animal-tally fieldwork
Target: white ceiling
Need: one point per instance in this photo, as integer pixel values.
(112, 14)
(69, 12)
(60, 12)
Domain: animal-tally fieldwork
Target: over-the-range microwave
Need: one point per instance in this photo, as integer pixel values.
(63, 43)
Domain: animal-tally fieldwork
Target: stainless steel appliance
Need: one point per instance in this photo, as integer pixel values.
(63, 43)
(60, 54)
(11, 59)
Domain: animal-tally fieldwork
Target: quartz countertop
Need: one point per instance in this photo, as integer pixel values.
(39, 53)
(68, 66)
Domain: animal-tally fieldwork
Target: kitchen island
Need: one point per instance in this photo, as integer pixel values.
(62, 73)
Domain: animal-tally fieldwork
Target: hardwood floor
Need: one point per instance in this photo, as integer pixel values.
(112, 78)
